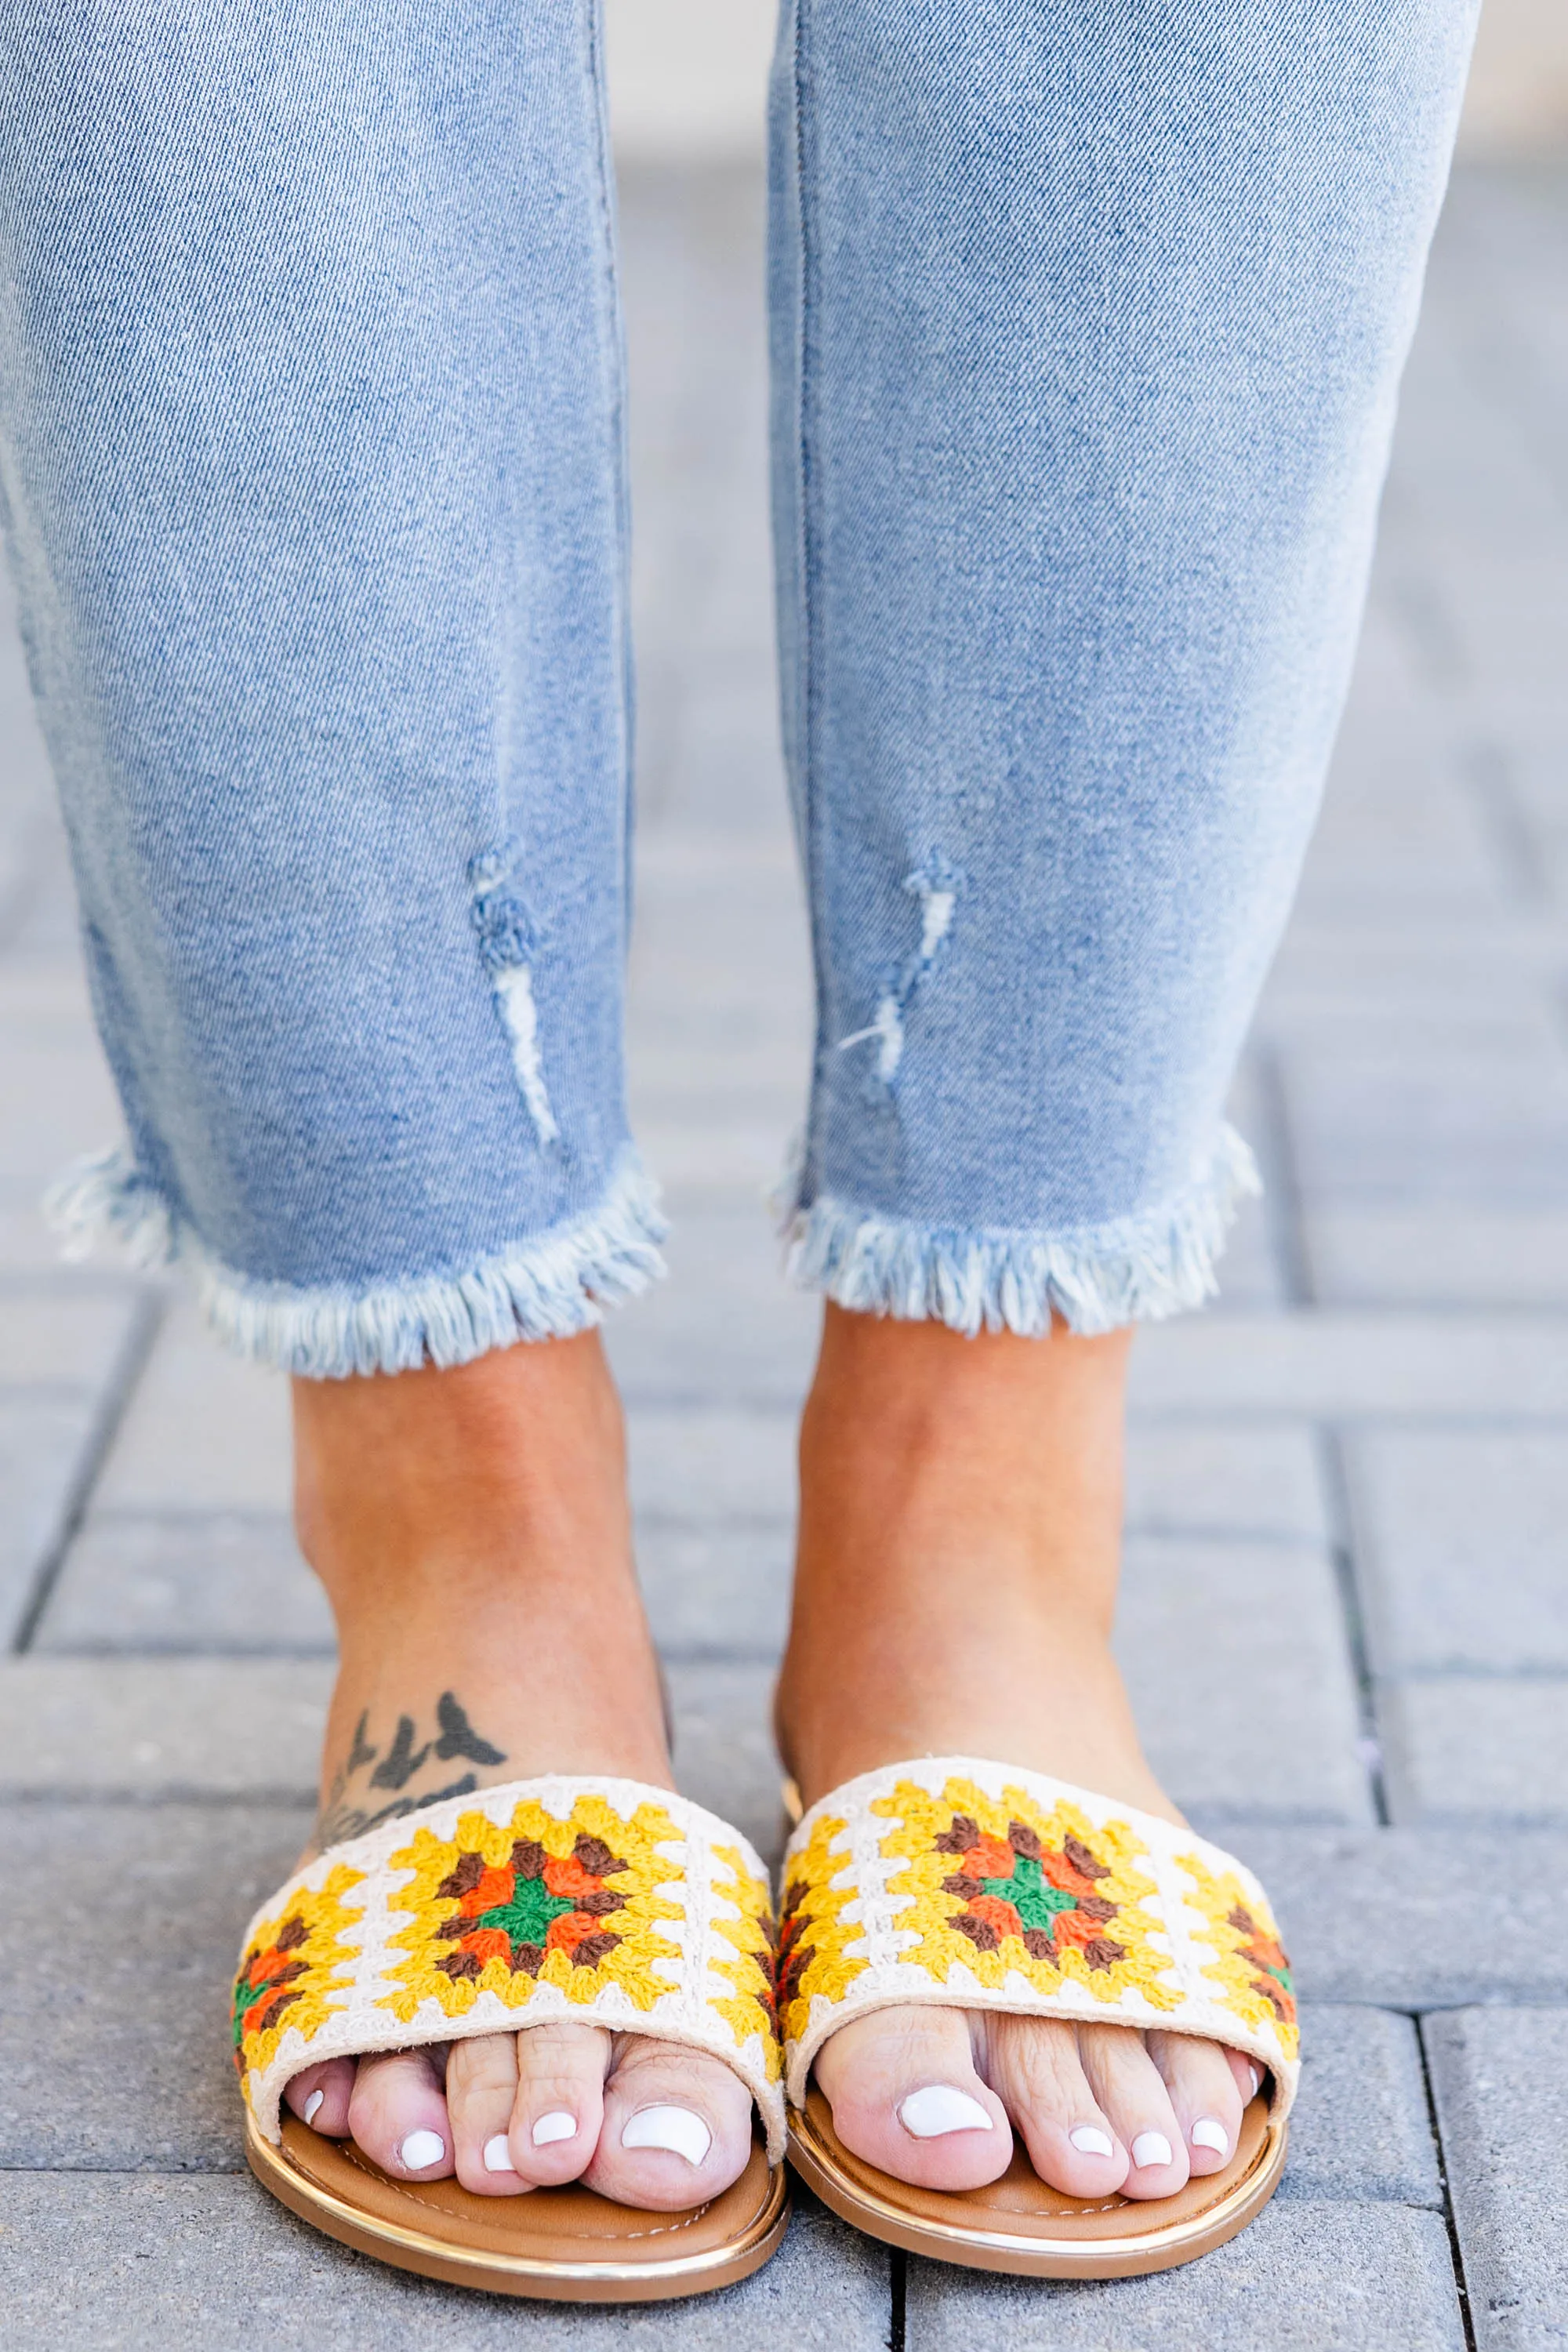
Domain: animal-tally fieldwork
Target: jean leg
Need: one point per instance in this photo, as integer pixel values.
(310, 455)
(1087, 325)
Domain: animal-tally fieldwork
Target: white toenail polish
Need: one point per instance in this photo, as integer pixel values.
(1206, 2133)
(497, 2154)
(313, 2103)
(937, 2109)
(1257, 2079)
(1090, 2142)
(420, 2150)
(556, 2126)
(674, 2128)
(1150, 2148)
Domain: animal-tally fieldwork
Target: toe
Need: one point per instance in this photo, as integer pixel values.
(1247, 2075)
(1131, 2092)
(321, 2096)
(906, 2096)
(558, 2110)
(481, 2090)
(677, 2128)
(1033, 2065)
(1202, 2092)
(398, 2114)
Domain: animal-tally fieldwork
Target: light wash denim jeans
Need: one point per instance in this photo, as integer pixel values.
(1088, 320)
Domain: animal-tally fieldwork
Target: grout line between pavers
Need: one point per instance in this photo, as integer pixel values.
(146, 1319)
(1450, 2220)
(1341, 1552)
(898, 2298)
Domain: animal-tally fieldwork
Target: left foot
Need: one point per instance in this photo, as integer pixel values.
(472, 1531)
(959, 1546)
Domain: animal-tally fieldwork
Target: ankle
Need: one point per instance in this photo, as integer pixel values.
(510, 1469)
(1019, 1437)
(959, 1549)
(472, 1531)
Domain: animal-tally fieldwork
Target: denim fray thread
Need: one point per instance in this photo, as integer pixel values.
(548, 1287)
(1132, 1270)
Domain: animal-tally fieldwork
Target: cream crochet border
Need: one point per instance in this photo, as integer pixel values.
(360, 2021)
(889, 1981)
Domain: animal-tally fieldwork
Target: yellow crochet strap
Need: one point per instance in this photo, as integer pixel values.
(978, 1885)
(605, 1902)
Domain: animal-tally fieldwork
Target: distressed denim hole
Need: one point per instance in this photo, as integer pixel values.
(935, 885)
(506, 949)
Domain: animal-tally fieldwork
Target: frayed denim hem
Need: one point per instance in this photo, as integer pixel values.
(1132, 1270)
(558, 1283)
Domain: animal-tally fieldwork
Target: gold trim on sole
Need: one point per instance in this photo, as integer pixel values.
(1038, 2255)
(545, 2278)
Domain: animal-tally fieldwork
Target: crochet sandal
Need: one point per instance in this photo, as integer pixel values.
(596, 1901)
(974, 1885)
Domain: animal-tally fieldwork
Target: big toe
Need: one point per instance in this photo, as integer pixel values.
(677, 2128)
(906, 2096)
(397, 2114)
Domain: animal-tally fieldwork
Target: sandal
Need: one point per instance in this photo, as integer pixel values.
(975, 1885)
(593, 1901)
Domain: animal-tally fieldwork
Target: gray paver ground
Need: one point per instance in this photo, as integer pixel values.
(121, 2263)
(1302, 2278)
(1348, 1482)
(1500, 2078)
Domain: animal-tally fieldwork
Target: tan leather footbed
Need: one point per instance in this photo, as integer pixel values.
(1019, 2224)
(561, 2244)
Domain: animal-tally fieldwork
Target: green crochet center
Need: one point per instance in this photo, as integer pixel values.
(526, 1918)
(1031, 1894)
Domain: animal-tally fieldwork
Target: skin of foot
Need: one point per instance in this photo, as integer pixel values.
(960, 1507)
(472, 1530)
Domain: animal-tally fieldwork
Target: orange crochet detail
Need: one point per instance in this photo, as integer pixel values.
(1001, 1885)
(578, 1904)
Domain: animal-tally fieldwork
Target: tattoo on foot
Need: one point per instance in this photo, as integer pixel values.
(459, 1736)
(399, 1764)
(455, 1735)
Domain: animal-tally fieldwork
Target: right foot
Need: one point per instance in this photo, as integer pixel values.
(472, 1530)
(958, 1547)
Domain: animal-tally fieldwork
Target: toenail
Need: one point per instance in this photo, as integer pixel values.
(1090, 2142)
(938, 2108)
(557, 2125)
(674, 2128)
(420, 2150)
(1257, 2079)
(1150, 2148)
(1206, 2133)
(313, 2103)
(497, 2154)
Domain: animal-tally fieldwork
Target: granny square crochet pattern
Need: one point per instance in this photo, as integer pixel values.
(978, 1885)
(602, 1901)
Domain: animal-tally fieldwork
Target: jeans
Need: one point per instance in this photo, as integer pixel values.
(1088, 320)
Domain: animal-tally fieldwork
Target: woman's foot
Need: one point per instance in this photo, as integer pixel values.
(472, 1530)
(960, 1503)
